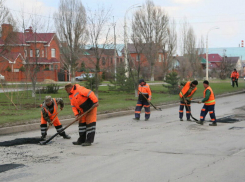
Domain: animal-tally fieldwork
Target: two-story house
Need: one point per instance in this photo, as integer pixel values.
(28, 49)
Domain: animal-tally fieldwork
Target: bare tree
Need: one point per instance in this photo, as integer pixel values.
(71, 27)
(169, 48)
(98, 38)
(150, 24)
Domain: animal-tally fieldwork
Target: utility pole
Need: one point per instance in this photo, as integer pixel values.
(115, 49)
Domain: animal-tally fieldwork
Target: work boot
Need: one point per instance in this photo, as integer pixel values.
(78, 142)
(66, 136)
(136, 119)
(200, 122)
(181, 119)
(86, 144)
(213, 124)
(43, 137)
(189, 120)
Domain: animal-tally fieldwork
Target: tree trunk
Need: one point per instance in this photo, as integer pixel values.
(152, 72)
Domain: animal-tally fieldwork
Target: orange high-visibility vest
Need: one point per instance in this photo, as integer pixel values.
(235, 75)
(145, 89)
(185, 89)
(211, 100)
(80, 95)
(52, 115)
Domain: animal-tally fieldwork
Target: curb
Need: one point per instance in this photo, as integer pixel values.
(35, 126)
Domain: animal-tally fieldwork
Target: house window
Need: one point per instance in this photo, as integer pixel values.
(138, 57)
(16, 70)
(31, 53)
(213, 56)
(52, 67)
(160, 58)
(120, 60)
(37, 52)
(42, 53)
(53, 53)
(103, 61)
(111, 60)
(56, 67)
(25, 53)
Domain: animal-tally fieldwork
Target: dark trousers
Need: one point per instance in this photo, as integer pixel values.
(139, 105)
(235, 82)
(87, 132)
(205, 110)
(181, 110)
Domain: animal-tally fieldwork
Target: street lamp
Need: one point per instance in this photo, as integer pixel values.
(213, 28)
(125, 37)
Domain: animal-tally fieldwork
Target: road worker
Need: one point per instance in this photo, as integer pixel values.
(82, 99)
(234, 78)
(144, 95)
(209, 104)
(186, 94)
(49, 114)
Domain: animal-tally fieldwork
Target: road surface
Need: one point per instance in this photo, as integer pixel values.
(162, 149)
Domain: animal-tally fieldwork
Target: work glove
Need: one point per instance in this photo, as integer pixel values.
(51, 124)
(199, 102)
(61, 108)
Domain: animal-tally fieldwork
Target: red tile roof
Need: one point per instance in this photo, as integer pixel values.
(11, 56)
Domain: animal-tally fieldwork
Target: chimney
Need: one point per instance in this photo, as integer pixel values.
(29, 30)
(6, 30)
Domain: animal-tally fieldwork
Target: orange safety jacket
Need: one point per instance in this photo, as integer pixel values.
(234, 75)
(185, 89)
(82, 99)
(52, 115)
(211, 100)
(145, 89)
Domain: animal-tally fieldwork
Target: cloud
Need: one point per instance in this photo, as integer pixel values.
(186, 1)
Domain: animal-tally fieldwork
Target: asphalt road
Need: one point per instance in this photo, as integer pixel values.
(162, 149)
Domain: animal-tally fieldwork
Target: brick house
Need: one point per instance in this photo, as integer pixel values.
(139, 60)
(28, 49)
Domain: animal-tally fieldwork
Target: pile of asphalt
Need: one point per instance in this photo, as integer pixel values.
(228, 119)
(20, 141)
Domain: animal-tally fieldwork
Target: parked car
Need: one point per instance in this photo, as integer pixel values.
(83, 76)
(2, 77)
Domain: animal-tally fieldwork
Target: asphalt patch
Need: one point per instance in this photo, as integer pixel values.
(228, 119)
(20, 141)
(236, 128)
(7, 167)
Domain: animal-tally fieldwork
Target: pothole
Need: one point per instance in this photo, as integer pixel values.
(20, 141)
(228, 119)
(7, 167)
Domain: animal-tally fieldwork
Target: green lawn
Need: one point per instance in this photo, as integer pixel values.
(29, 108)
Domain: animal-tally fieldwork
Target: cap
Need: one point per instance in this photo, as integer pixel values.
(206, 82)
(195, 82)
(48, 99)
(141, 80)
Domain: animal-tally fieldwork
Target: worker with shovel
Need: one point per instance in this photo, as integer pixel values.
(209, 104)
(186, 94)
(144, 93)
(82, 100)
(49, 114)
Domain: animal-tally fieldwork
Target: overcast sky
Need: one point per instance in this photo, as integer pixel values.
(229, 16)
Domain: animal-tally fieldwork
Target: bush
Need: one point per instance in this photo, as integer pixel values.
(8, 69)
(122, 83)
(172, 79)
(91, 81)
(49, 89)
(22, 68)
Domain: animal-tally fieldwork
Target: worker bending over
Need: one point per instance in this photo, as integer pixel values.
(186, 94)
(82, 99)
(49, 114)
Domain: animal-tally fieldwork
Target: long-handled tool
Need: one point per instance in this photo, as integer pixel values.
(158, 109)
(52, 137)
(51, 123)
(186, 105)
